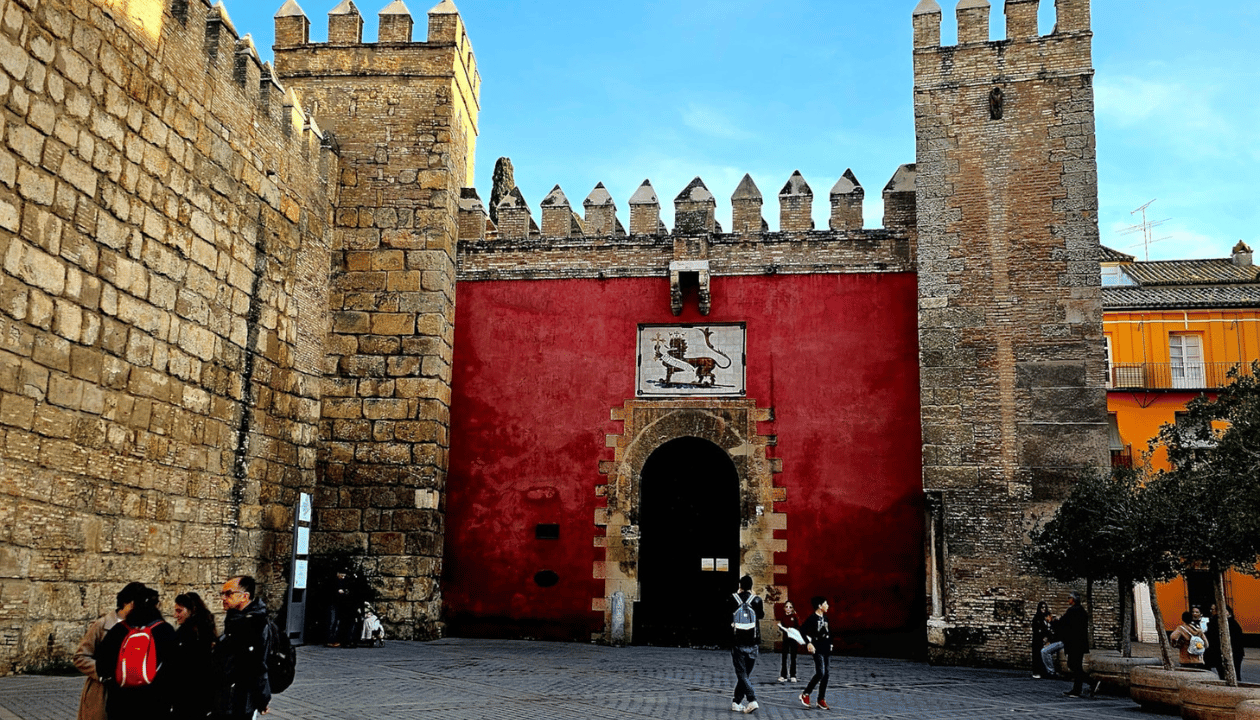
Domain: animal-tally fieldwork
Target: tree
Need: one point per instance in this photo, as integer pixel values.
(1214, 487)
(1109, 527)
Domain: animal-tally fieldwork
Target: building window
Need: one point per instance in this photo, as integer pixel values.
(1110, 372)
(1121, 454)
(1114, 275)
(1185, 354)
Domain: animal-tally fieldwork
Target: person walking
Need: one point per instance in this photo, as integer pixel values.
(1073, 630)
(817, 634)
(239, 660)
(790, 621)
(1191, 641)
(747, 610)
(92, 699)
(192, 679)
(133, 661)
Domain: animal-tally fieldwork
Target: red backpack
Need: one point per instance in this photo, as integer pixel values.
(137, 658)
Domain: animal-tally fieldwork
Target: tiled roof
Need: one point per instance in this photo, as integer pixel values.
(1109, 255)
(1191, 272)
(1212, 296)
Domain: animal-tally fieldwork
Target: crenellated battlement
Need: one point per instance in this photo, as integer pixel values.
(395, 52)
(394, 60)
(202, 34)
(695, 210)
(1024, 53)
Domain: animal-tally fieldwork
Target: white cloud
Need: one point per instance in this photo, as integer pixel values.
(1191, 120)
(711, 121)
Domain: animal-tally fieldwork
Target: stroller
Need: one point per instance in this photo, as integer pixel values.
(373, 634)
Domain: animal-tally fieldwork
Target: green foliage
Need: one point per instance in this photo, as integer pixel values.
(1109, 527)
(1213, 490)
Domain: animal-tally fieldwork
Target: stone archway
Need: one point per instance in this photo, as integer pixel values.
(732, 426)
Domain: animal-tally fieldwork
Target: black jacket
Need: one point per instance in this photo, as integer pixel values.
(1073, 630)
(240, 662)
(192, 676)
(1041, 630)
(817, 631)
(147, 702)
(754, 636)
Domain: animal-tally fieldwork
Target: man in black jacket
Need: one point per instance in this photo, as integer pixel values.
(1073, 630)
(240, 657)
(745, 608)
(817, 634)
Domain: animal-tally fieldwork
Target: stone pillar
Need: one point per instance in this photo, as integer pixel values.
(746, 207)
(345, 24)
(694, 210)
(796, 205)
(601, 212)
(557, 215)
(847, 196)
(645, 211)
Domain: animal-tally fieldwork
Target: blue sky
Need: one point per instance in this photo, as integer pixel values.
(578, 92)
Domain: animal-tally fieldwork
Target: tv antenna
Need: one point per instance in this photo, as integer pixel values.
(1145, 228)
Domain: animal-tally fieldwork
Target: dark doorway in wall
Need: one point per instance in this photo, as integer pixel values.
(689, 545)
(1201, 592)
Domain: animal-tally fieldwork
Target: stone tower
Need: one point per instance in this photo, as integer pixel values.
(404, 115)
(1011, 350)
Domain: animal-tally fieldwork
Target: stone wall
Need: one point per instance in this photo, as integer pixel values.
(405, 118)
(1010, 314)
(163, 228)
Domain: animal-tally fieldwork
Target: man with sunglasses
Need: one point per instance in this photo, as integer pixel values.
(240, 657)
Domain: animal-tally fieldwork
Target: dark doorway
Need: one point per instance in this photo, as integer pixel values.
(688, 523)
(1201, 590)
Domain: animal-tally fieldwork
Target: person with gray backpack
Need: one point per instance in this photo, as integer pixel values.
(746, 611)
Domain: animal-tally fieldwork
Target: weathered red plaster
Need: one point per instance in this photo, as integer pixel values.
(538, 366)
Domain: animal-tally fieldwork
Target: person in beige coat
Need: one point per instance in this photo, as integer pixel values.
(92, 699)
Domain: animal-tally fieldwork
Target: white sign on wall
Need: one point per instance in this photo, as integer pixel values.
(692, 360)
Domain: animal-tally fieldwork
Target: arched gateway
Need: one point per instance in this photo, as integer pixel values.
(690, 489)
(689, 543)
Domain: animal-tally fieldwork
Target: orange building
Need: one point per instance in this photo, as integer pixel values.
(1174, 329)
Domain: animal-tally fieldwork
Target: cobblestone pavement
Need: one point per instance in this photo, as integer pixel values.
(473, 679)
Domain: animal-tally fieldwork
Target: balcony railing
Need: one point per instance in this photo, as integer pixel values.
(1172, 376)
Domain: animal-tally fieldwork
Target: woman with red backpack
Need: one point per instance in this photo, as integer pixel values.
(133, 658)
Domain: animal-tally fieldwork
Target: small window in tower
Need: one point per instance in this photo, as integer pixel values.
(997, 104)
(546, 578)
(547, 531)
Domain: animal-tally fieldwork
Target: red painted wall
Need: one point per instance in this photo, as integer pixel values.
(537, 367)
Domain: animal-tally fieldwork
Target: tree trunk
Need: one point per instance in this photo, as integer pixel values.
(1089, 606)
(1222, 622)
(1125, 587)
(1165, 648)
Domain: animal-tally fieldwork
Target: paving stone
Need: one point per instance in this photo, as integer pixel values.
(465, 679)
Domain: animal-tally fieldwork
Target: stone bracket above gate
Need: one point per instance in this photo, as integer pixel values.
(681, 273)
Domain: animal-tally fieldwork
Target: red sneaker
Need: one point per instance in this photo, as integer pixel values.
(823, 704)
(805, 699)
